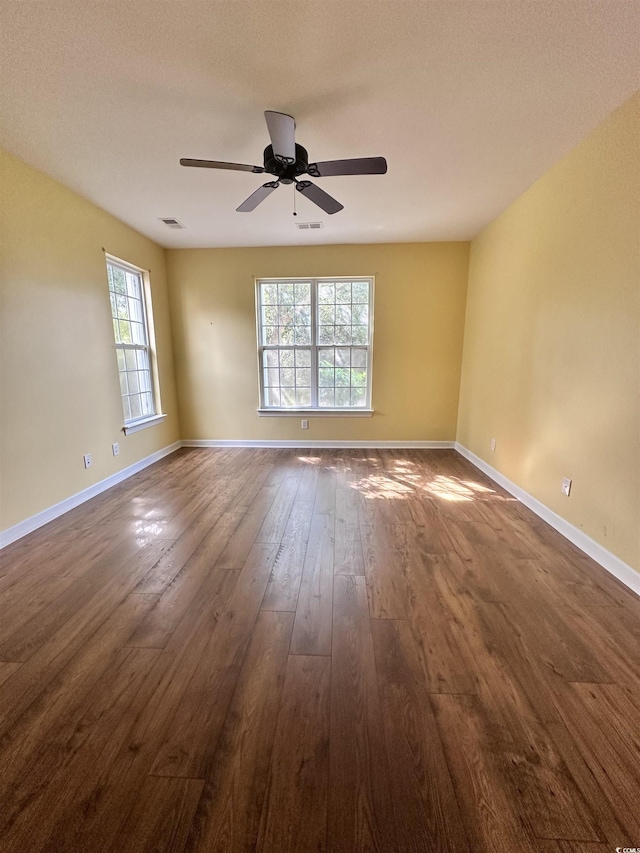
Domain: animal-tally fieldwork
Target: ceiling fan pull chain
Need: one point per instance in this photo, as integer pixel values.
(294, 201)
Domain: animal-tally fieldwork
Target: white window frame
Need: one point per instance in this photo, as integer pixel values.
(314, 410)
(149, 419)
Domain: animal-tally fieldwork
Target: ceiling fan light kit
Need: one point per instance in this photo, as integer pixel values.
(287, 161)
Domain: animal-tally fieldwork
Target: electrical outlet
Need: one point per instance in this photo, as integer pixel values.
(304, 423)
(115, 447)
(566, 486)
(88, 461)
(493, 444)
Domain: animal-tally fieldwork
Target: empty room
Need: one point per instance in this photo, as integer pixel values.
(319, 426)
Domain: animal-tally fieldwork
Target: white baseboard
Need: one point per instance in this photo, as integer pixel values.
(302, 445)
(619, 569)
(11, 534)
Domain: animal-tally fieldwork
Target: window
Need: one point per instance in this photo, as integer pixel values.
(132, 337)
(314, 343)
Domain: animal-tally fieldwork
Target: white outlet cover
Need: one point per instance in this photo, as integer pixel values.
(88, 461)
(304, 424)
(115, 447)
(566, 486)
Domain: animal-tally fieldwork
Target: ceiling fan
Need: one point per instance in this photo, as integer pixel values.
(286, 161)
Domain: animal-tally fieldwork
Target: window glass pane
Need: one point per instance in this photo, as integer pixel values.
(117, 279)
(286, 358)
(360, 315)
(287, 337)
(326, 396)
(116, 332)
(303, 377)
(132, 379)
(285, 294)
(125, 331)
(326, 292)
(130, 359)
(303, 315)
(124, 388)
(142, 359)
(288, 397)
(271, 358)
(326, 315)
(302, 293)
(359, 377)
(326, 357)
(359, 334)
(272, 377)
(287, 377)
(136, 406)
(137, 330)
(270, 335)
(343, 315)
(326, 376)
(343, 334)
(120, 354)
(360, 291)
(303, 396)
(343, 376)
(343, 291)
(326, 334)
(302, 335)
(269, 315)
(343, 356)
(147, 405)
(126, 409)
(303, 358)
(135, 309)
(269, 294)
(343, 397)
(286, 315)
(272, 396)
(358, 397)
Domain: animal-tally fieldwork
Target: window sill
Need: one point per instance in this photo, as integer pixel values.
(315, 413)
(136, 426)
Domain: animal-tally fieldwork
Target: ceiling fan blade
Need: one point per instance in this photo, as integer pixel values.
(215, 164)
(319, 197)
(255, 198)
(358, 166)
(282, 130)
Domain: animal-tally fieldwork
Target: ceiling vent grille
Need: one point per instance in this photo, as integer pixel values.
(171, 222)
(308, 226)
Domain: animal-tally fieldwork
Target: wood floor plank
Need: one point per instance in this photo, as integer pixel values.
(488, 803)
(360, 813)
(294, 816)
(312, 625)
(424, 801)
(192, 738)
(241, 542)
(161, 817)
(228, 814)
(189, 583)
(284, 581)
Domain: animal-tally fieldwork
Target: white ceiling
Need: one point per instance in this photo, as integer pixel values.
(470, 102)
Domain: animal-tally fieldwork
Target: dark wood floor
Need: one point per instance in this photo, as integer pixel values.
(285, 650)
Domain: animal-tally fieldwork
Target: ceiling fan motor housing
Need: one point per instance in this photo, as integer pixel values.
(286, 173)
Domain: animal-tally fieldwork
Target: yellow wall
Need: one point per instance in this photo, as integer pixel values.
(59, 386)
(419, 314)
(552, 340)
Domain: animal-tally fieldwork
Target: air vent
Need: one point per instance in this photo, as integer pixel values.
(171, 222)
(308, 226)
